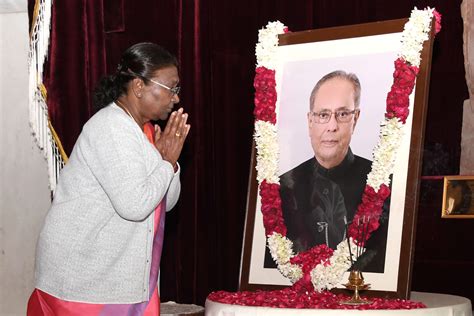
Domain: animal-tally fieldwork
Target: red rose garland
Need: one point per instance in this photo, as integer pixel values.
(370, 207)
(404, 78)
(271, 208)
(265, 95)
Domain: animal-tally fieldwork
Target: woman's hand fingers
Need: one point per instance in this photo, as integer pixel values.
(181, 129)
(157, 132)
(187, 127)
(170, 142)
(173, 122)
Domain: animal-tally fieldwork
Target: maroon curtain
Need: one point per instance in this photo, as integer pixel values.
(76, 63)
(215, 41)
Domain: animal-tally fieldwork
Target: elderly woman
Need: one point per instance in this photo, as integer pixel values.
(99, 250)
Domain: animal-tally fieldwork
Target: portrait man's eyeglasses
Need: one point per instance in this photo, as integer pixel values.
(174, 90)
(342, 116)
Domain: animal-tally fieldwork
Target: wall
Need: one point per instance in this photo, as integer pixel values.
(24, 192)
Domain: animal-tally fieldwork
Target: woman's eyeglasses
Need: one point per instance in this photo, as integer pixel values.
(174, 90)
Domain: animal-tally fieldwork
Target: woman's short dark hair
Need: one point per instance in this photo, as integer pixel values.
(138, 61)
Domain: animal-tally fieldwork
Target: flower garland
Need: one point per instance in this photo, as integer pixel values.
(321, 267)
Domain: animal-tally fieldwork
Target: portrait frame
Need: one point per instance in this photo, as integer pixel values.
(253, 232)
(457, 197)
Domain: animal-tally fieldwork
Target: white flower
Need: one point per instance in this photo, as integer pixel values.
(328, 274)
(384, 155)
(281, 249)
(266, 47)
(267, 151)
(415, 32)
(291, 271)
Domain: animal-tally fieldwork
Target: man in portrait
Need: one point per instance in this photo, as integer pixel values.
(321, 195)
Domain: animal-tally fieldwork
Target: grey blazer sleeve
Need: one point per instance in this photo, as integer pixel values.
(174, 190)
(130, 169)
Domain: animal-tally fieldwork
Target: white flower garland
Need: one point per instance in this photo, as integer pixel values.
(384, 154)
(267, 44)
(267, 151)
(281, 249)
(328, 274)
(415, 32)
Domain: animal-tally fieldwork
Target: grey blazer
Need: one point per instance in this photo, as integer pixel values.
(96, 242)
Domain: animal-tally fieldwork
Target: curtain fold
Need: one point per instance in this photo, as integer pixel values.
(76, 62)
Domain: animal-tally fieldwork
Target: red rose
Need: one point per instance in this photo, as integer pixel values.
(265, 95)
(384, 191)
(397, 105)
(312, 257)
(404, 75)
(396, 99)
(404, 78)
(271, 208)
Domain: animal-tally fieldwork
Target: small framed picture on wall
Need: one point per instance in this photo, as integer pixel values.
(458, 200)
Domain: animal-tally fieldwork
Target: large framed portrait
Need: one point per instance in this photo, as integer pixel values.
(368, 51)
